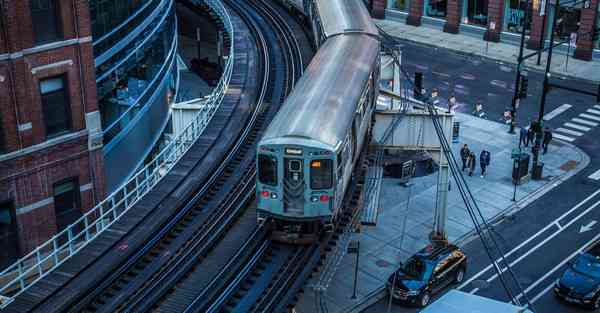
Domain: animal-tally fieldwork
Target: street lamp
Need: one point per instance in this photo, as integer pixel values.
(513, 112)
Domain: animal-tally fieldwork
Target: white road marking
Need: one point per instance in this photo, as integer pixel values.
(564, 138)
(557, 111)
(541, 231)
(591, 117)
(568, 131)
(561, 264)
(578, 127)
(584, 122)
(587, 227)
(595, 175)
(597, 106)
(543, 242)
(593, 111)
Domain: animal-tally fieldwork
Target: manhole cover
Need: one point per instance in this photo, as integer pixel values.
(480, 284)
(382, 263)
(569, 165)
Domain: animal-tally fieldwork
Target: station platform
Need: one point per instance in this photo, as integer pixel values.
(405, 216)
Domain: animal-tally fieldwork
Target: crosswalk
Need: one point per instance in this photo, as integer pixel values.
(578, 126)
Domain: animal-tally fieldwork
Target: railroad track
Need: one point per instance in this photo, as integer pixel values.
(150, 280)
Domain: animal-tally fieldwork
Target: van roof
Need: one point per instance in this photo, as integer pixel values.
(460, 302)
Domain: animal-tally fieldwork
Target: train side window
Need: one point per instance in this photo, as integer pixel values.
(321, 174)
(267, 170)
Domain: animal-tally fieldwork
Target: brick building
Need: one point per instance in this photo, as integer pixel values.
(499, 20)
(51, 161)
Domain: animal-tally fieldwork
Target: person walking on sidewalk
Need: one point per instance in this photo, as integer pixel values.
(471, 163)
(464, 155)
(523, 139)
(484, 161)
(547, 139)
(530, 135)
(451, 104)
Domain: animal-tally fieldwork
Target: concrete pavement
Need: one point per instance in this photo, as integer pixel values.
(406, 217)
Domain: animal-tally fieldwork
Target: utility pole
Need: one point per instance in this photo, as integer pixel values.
(542, 39)
(536, 169)
(513, 111)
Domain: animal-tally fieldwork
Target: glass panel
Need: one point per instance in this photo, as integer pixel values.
(436, 8)
(515, 17)
(477, 12)
(56, 107)
(567, 22)
(45, 21)
(321, 174)
(402, 5)
(267, 170)
(66, 203)
(9, 240)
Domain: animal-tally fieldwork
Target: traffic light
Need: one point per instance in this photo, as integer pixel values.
(418, 85)
(523, 87)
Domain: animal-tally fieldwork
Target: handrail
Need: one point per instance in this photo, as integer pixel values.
(40, 262)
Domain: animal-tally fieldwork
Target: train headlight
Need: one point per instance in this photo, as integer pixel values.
(273, 195)
(314, 199)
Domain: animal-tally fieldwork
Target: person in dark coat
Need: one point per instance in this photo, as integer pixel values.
(471, 163)
(547, 139)
(484, 161)
(523, 139)
(464, 155)
(530, 135)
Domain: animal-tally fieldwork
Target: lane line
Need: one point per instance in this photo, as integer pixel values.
(543, 242)
(595, 175)
(576, 126)
(565, 138)
(593, 111)
(584, 122)
(568, 131)
(561, 264)
(597, 106)
(590, 117)
(531, 238)
(557, 111)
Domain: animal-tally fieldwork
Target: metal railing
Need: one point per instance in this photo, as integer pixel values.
(40, 262)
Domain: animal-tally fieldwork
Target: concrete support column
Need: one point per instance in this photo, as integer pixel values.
(585, 43)
(415, 14)
(495, 20)
(441, 204)
(378, 10)
(537, 25)
(453, 16)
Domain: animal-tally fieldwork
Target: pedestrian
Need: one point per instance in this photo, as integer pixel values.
(484, 161)
(507, 117)
(451, 104)
(523, 137)
(435, 96)
(530, 134)
(471, 163)
(547, 138)
(464, 155)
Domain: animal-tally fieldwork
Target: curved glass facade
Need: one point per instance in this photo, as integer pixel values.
(135, 48)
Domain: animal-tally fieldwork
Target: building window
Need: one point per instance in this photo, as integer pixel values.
(477, 12)
(44, 16)
(402, 5)
(9, 240)
(436, 8)
(568, 21)
(66, 203)
(515, 17)
(56, 107)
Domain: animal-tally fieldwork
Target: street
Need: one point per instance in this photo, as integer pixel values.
(541, 238)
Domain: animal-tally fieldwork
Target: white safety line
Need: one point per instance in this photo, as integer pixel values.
(578, 127)
(593, 111)
(597, 106)
(584, 122)
(568, 131)
(511, 252)
(590, 117)
(554, 269)
(561, 137)
(557, 111)
(595, 175)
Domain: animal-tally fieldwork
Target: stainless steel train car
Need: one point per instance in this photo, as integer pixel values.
(306, 156)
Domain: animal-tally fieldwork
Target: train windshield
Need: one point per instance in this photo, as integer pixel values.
(267, 170)
(321, 174)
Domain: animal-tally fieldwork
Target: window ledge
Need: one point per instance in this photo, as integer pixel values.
(44, 145)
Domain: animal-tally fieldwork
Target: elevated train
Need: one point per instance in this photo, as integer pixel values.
(307, 154)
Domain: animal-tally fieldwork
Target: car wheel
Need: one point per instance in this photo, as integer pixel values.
(460, 276)
(424, 299)
(596, 304)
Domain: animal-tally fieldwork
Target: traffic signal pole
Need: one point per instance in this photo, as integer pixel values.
(513, 112)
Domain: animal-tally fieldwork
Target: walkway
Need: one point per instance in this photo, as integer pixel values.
(405, 217)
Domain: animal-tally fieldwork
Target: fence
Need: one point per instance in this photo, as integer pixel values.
(44, 259)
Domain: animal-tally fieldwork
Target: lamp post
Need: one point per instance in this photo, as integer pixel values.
(513, 111)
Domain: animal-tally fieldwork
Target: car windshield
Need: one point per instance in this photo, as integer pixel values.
(588, 265)
(417, 269)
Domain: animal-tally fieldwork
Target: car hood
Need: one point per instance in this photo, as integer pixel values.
(406, 282)
(579, 283)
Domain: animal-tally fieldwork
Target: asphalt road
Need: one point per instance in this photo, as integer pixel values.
(540, 239)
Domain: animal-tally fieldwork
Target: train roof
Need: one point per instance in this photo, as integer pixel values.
(322, 105)
(343, 16)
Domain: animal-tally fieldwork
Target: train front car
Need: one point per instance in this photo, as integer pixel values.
(295, 189)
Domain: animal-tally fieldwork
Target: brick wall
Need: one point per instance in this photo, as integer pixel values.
(453, 16)
(585, 42)
(416, 12)
(495, 16)
(32, 164)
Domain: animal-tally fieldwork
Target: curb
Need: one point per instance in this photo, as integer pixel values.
(489, 58)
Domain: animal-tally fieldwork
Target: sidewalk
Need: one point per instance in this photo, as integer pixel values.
(502, 52)
(406, 213)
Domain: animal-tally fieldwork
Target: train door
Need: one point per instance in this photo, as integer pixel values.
(9, 240)
(293, 185)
